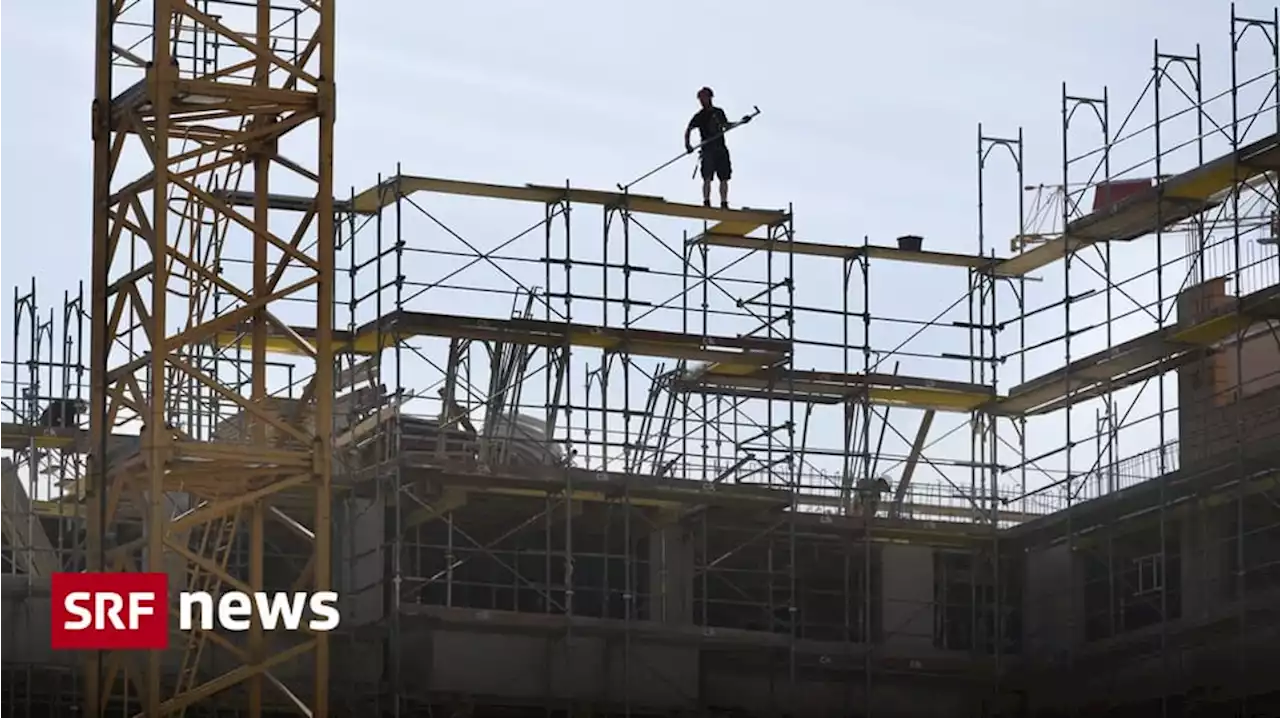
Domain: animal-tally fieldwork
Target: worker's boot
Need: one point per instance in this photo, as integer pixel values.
(724, 205)
(706, 203)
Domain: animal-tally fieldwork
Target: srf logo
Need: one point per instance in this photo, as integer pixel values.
(130, 611)
(110, 611)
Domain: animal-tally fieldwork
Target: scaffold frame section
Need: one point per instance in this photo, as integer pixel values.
(1163, 205)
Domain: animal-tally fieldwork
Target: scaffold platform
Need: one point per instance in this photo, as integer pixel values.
(384, 194)
(1162, 205)
(723, 237)
(833, 388)
(728, 222)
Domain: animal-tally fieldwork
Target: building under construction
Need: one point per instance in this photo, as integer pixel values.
(621, 460)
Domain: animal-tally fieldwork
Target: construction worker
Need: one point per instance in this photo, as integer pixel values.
(712, 124)
(452, 414)
(867, 495)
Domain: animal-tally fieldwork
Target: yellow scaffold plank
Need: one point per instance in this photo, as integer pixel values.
(1164, 204)
(731, 369)
(1212, 331)
(735, 227)
(1213, 177)
(946, 259)
(936, 399)
(21, 436)
(830, 387)
(715, 237)
(377, 197)
(1040, 256)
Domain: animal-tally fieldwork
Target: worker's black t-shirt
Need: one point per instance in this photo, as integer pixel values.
(711, 123)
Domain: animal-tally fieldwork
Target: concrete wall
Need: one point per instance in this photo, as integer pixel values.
(1206, 574)
(890, 697)
(907, 590)
(562, 668)
(671, 567)
(359, 559)
(590, 668)
(1053, 601)
(25, 622)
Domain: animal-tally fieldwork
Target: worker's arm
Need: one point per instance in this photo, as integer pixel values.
(688, 133)
(723, 122)
(727, 125)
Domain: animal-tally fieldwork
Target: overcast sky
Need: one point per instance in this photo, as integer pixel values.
(870, 109)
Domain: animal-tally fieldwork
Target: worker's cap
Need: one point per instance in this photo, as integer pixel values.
(706, 91)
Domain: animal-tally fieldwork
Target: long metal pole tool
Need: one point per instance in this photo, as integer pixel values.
(624, 187)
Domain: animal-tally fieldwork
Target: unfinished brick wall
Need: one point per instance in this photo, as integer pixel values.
(1232, 395)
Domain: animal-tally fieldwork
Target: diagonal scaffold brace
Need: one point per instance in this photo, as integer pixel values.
(698, 148)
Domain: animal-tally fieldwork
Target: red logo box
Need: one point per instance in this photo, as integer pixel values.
(110, 611)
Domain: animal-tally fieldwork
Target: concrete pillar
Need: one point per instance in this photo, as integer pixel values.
(359, 573)
(1204, 568)
(671, 576)
(907, 596)
(1053, 604)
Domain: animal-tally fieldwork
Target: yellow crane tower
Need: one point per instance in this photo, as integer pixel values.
(173, 127)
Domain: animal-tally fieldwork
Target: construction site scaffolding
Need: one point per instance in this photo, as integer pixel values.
(486, 406)
(522, 439)
(1142, 332)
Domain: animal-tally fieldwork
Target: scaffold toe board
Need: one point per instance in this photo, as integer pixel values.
(1160, 206)
(714, 237)
(829, 387)
(383, 195)
(1137, 359)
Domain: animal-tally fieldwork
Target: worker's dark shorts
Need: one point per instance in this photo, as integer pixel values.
(716, 163)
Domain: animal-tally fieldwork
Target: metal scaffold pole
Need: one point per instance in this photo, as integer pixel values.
(987, 326)
(44, 391)
(1241, 586)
